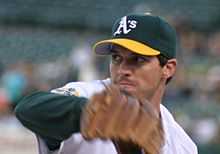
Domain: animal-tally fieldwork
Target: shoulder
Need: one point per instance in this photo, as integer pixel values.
(175, 136)
(83, 89)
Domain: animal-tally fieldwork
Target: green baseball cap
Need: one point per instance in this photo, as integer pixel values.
(143, 34)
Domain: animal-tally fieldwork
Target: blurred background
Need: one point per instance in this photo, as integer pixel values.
(45, 44)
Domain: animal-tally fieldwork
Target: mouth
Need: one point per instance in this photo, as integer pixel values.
(124, 84)
(127, 86)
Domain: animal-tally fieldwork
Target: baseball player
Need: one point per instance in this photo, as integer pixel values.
(143, 61)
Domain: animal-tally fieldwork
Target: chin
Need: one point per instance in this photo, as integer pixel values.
(128, 90)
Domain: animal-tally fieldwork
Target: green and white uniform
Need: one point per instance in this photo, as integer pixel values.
(55, 119)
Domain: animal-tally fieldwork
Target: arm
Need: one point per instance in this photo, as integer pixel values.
(53, 117)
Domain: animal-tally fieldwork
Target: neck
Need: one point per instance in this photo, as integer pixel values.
(156, 99)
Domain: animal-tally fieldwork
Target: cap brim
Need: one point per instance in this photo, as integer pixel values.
(103, 47)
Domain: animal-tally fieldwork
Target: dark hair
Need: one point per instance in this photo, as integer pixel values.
(163, 60)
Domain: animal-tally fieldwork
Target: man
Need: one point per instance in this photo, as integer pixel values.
(143, 61)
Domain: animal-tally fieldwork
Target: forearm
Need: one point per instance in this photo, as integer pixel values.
(53, 117)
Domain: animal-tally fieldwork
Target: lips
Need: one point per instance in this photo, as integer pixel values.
(125, 83)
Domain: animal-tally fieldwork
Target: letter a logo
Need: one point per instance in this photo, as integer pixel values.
(124, 26)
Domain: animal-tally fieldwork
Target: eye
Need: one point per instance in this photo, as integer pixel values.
(116, 59)
(141, 59)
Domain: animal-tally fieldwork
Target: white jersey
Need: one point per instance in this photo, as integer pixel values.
(176, 140)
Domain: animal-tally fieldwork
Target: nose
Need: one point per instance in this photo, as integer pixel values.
(124, 69)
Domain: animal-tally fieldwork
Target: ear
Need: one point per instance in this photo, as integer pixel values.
(169, 68)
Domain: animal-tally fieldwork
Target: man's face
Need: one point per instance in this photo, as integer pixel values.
(135, 74)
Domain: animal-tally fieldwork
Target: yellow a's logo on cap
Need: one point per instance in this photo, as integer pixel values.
(125, 26)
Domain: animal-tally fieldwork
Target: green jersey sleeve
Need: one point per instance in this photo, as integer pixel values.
(51, 116)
